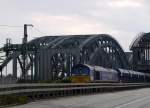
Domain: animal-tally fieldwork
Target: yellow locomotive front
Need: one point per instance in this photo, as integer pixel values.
(80, 74)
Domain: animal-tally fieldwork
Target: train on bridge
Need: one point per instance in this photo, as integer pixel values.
(88, 73)
(52, 58)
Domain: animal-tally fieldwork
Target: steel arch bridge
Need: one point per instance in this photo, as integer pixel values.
(52, 57)
(141, 52)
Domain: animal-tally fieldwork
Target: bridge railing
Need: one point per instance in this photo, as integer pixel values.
(28, 88)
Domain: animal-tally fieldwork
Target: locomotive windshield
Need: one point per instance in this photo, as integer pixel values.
(80, 70)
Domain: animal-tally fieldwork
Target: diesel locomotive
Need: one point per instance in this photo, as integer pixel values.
(83, 73)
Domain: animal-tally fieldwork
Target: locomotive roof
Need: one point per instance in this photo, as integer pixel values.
(86, 65)
(98, 68)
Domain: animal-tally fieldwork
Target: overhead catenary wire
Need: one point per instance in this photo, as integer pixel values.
(11, 26)
(7, 29)
(13, 31)
(16, 26)
(36, 29)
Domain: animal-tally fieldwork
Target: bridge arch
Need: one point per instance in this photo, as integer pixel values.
(110, 46)
(50, 56)
(141, 52)
(88, 49)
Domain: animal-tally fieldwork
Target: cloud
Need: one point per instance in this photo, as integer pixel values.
(125, 3)
(71, 24)
(76, 24)
(122, 19)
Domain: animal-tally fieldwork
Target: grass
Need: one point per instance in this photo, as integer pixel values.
(13, 99)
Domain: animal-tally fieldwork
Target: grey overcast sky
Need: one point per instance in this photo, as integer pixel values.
(123, 19)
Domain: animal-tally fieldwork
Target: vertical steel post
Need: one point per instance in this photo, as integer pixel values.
(24, 50)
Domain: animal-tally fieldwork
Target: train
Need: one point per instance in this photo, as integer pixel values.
(84, 73)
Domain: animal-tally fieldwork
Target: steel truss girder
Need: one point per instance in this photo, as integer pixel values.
(78, 50)
(55, 55)
(141, 52)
